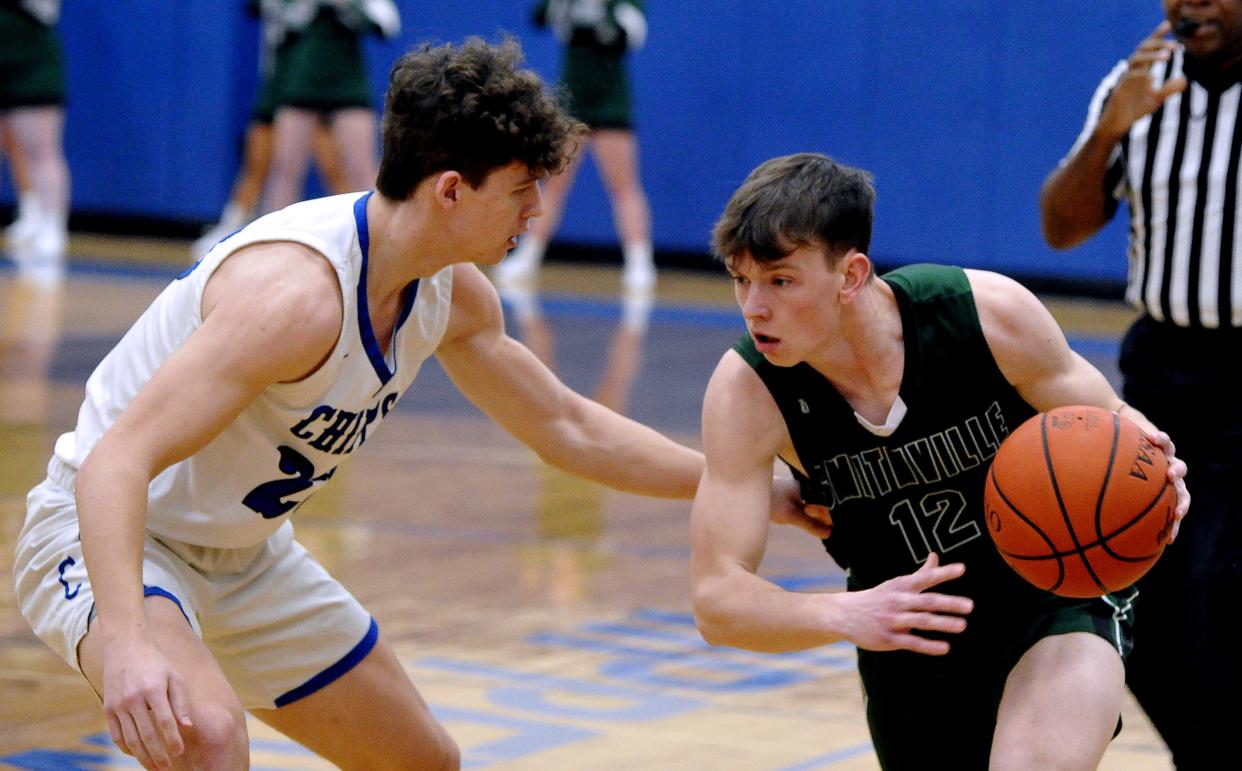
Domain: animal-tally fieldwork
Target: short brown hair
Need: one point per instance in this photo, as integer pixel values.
(795, 201)
(472, 109)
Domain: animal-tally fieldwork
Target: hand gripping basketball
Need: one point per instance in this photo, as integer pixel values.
(1078, 501)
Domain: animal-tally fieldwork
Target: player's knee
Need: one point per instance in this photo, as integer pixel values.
(218, 739)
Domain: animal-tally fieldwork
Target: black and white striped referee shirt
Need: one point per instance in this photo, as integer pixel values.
(1178, 171)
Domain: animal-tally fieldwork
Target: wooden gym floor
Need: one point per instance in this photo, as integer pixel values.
(545, 619)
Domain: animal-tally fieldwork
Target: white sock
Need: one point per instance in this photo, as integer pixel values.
(529, 251)
(639, 266)
(638, 252)
(523, 261)
(26, 220)
(636, 310)
(521, 298)
(28, 208)
(234, 216)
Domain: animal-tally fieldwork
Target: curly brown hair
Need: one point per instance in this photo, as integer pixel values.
(471, 109)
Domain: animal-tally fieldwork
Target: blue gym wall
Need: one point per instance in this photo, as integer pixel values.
(959, 107)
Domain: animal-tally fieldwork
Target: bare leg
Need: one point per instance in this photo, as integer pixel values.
(1060, 706)
(30, 324)
(328, 161)
(256, 164)
(17, 161)
(26, 219)
(625, 353)
(371, 718)
(616, 154)
(291, 153)
(37, 136)
(354, 130)
(218, 738)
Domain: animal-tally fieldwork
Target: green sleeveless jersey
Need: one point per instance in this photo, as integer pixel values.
(896, 498)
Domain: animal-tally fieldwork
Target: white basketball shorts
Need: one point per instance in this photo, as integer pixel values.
(279, 625)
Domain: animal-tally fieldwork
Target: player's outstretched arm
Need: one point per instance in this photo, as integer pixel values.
(509, 383)
(743, 432)
(1034, 356)
(267, 318)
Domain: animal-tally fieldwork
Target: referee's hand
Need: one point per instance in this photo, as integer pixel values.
(1136, 93)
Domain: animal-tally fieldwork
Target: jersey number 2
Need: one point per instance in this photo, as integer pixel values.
(942, 514)
(268, 498)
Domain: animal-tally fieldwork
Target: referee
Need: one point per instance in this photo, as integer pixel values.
(1164, 132)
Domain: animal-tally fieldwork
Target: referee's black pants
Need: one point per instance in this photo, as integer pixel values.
(1186, 668)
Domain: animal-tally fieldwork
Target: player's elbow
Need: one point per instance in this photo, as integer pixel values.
(1058, 234)
(105, 464)
(1060, 223)
(570, 447)
(711, 617)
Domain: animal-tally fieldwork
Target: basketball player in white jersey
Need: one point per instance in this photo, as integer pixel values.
(158, 556)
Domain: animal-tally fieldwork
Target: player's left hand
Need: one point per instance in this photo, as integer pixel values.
(788, 508)
(1177, 466)
(1177, 477)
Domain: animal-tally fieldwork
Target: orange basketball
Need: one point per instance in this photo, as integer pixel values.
(1078, 501)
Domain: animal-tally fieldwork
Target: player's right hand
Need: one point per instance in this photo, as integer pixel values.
(145, 703)
(1136, 94)
(885, 618)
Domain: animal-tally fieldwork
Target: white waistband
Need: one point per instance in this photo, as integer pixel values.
(62, 473)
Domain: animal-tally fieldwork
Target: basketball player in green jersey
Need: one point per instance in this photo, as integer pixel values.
(888, 397)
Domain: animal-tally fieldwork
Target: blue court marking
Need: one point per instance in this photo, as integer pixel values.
(797, 582)
(747, 677)
(1091, 346)
(529, 738)
(122, 270)
(66, 760)
(634, 664)
(467, 535)
(689, 638)
(695, 653)
(575, 306)
(842, 657)
(109, 756)
(679, 618)
(831, 758)
(530, 693)
(658, 616)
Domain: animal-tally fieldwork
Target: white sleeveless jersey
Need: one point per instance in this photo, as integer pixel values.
(245, 483)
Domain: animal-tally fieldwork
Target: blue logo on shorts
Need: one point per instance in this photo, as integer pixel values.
(69, 593)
